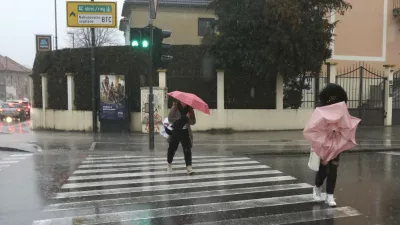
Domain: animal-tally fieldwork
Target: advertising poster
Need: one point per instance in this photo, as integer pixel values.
(112, 97)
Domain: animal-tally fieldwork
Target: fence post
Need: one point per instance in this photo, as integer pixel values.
(279, 92)
(220, 89)
(388, 94)
(71, 91)
(331, 70)
(162, 78)
(44, 91)
(44, 98)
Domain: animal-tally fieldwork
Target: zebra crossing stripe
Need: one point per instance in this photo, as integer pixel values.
(291, 218)
(165, 187)
(179, 196)
(181, 210)
(130, 159)
(140, 157)
(116, 164)
(7, 162)
(126, 175)
(4, 165)
(163, 167)
(390, 153)
(166, 179)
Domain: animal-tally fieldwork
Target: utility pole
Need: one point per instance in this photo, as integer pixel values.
(93, 72)
(151, 96)
(55, 19)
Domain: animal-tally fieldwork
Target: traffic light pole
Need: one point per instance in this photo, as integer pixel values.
(93, 72)
(151, 96)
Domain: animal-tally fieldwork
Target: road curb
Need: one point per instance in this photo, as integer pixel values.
(307, 152)
(10, 149)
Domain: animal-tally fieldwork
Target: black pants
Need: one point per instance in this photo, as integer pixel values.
(328, 171)
(180, 136)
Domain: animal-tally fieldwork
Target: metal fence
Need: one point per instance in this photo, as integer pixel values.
(313, 84)
(365, 87)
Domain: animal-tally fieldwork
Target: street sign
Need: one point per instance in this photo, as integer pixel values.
(153, 9)
(43, 43)
(92, 14)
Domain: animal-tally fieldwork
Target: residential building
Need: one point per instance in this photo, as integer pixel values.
(188, 20)
(14, 80)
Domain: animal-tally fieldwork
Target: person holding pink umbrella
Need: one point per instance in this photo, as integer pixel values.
(181, 116)
(331, 94)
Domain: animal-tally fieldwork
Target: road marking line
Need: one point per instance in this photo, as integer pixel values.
(103, 184)
(92, 157)
(179, 196)
(163, 167)
(92, 146)
(105, 165)
(6, 162)
(180, 172)
(166, 187)
(182, 210)
(291, 218)
(149, 159)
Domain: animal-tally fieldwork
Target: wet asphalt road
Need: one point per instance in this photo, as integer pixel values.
(81, 189)
(73, 184)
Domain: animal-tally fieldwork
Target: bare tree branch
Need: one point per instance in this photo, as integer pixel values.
(103, 37)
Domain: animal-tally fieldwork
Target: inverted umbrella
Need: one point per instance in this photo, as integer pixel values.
(331, 130)
(192, 100)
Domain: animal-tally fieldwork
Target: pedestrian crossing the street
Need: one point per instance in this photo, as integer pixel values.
(224, 190)
(8, 161)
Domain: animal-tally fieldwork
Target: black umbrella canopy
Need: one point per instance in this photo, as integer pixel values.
(331, 94)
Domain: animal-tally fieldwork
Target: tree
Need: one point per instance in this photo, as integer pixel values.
(81, 37)
(263, 38)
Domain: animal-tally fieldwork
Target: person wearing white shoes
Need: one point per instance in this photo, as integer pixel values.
(331, 94)
(181, 116)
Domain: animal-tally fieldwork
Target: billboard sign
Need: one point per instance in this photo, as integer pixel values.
(92, 14)
(112, 97)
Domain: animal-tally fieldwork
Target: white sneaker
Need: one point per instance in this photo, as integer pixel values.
(317, 193)
(330, 200)
(169, 167)
(189, 170)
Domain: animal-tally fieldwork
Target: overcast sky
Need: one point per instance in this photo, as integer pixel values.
(20, 20)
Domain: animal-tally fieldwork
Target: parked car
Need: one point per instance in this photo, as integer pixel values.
(25, 104)
(12, 110)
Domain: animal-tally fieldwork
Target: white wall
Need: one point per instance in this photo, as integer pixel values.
(236, 119)
(71, 120)
(253, 120)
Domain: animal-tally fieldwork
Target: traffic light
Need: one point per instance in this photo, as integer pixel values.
(140, 38)
(159, 48)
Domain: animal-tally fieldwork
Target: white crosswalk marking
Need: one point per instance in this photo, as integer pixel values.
(13, 159)
(390, 153)
(222, 191)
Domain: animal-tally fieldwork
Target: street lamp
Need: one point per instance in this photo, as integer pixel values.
(73, 39)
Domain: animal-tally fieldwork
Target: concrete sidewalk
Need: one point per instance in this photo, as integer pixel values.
(242, 143)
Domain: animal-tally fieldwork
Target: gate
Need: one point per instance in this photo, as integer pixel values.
(365, 89)
(396, 98)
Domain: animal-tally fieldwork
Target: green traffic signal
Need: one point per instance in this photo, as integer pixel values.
(145, 44)
(135, 43)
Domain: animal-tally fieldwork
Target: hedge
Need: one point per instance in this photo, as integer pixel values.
(191, 70)
(184, 73)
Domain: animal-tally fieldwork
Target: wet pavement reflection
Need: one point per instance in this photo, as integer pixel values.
(78, 188)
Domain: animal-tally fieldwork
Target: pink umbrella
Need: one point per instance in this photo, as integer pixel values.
(331, 130)
(191, 100)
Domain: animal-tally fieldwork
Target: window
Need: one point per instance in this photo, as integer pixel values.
(204, 26)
